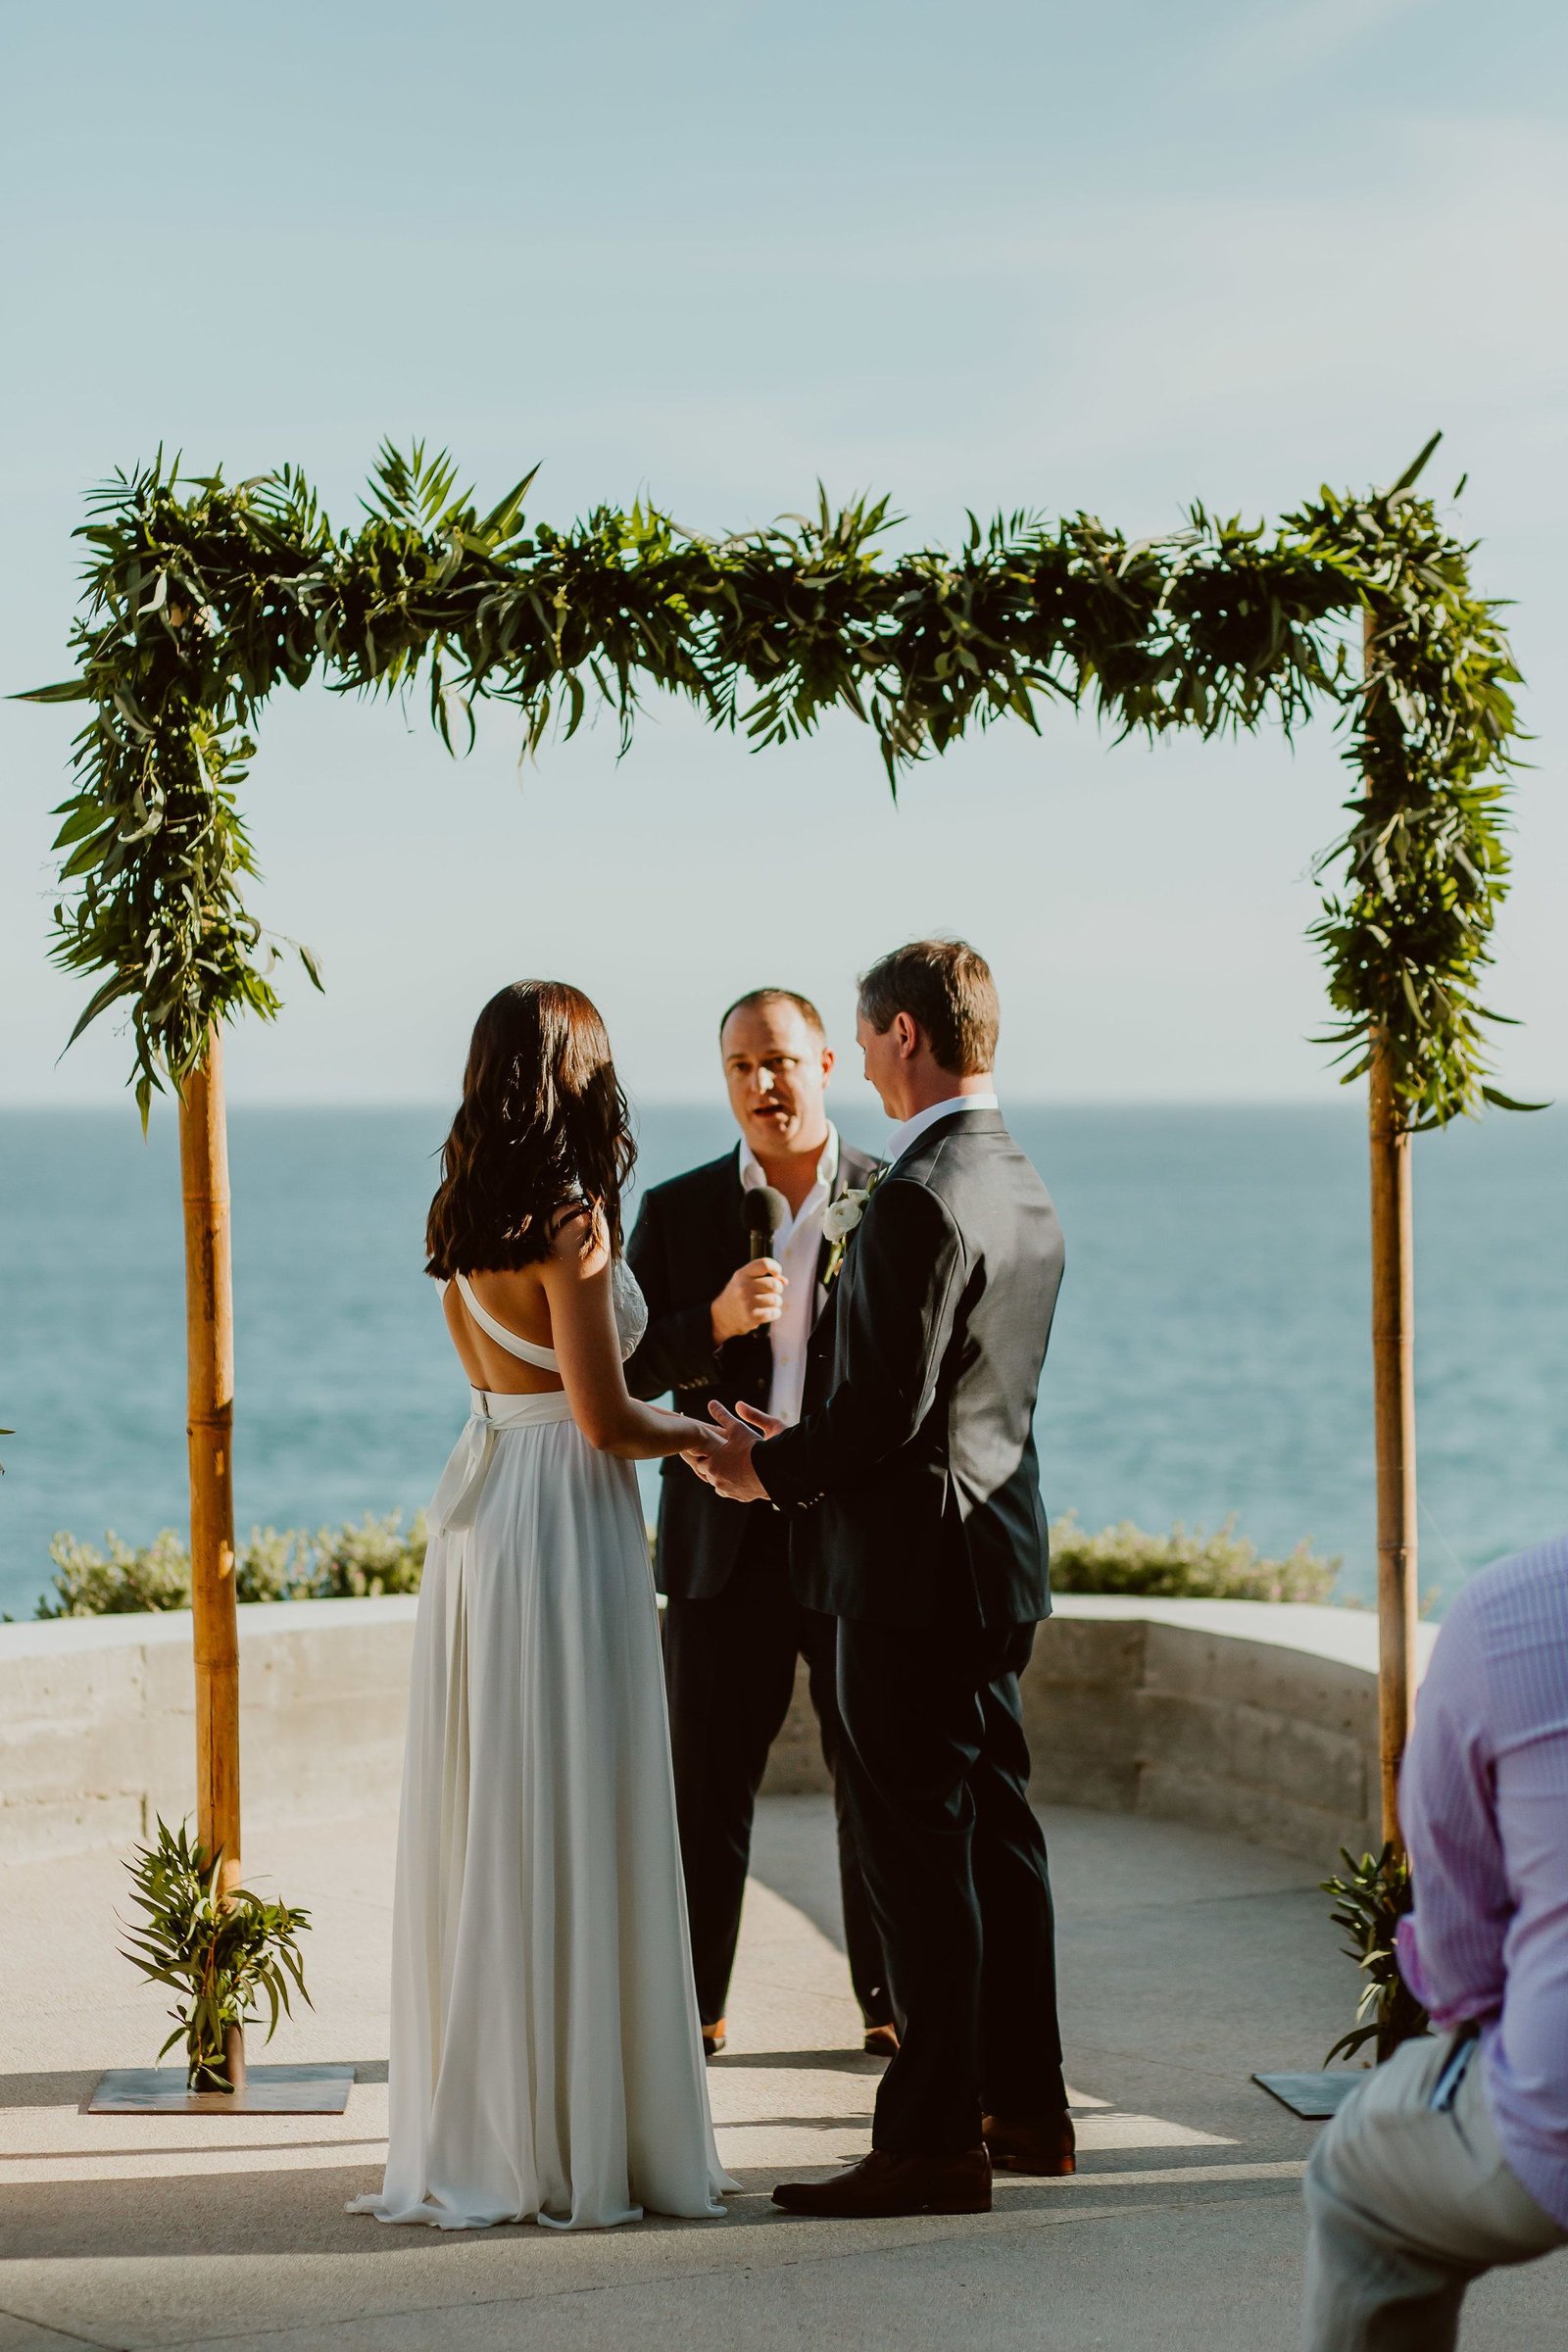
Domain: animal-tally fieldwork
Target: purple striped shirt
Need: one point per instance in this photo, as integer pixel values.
(1484, 1804)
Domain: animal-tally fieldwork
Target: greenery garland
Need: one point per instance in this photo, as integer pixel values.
(202, 596)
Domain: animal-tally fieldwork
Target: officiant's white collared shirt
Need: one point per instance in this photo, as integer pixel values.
(798, 1247)
(911, 1130)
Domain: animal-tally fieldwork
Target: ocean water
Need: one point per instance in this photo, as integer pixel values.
(1211, 1354)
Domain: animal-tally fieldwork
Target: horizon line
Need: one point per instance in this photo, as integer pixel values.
(33, 1106)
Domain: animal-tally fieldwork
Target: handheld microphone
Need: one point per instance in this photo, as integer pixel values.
(766, 1209)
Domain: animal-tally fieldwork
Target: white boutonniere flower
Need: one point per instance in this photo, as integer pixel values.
(839, 1220)
(841, 1216)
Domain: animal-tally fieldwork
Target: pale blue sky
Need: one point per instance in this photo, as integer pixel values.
(1018, 253)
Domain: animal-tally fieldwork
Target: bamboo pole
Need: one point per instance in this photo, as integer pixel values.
(1393, 1408)
(209, 1372)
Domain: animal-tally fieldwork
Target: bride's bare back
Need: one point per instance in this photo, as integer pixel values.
(517, 1300)
(565, 1308)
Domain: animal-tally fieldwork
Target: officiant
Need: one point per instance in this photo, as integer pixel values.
(729, 1323)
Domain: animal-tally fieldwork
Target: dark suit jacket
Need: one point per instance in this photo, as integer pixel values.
(915, 1484)
(689, 1238)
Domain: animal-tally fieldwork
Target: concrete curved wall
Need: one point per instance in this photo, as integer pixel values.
(1256, 1719)
(1238, 1716)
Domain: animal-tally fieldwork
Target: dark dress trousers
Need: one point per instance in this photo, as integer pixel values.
(917, 1520)
(733, 1628)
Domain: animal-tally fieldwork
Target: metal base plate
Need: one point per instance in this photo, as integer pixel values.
(268, 2090)
(1313, 2096)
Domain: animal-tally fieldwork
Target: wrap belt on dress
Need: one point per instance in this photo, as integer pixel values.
(462, 1483)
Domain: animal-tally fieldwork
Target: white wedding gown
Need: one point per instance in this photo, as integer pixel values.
(547, 2060)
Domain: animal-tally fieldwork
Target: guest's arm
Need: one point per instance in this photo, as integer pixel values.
(899, 1315)
(1451, 1948)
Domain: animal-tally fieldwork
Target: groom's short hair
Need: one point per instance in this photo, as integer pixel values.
(754, 999)
(945, 986)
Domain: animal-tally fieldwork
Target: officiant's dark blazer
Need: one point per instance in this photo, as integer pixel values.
(689, 1238)
(914, 1485)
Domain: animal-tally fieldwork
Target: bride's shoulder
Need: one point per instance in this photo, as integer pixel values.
(579, 1238)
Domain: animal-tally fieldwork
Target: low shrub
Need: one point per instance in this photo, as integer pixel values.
(88, 1583)
(364, 1562)
(344, 1563)
(1185, 1565)
(377, 1556)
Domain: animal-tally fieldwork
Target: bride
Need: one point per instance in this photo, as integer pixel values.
(547, 2059)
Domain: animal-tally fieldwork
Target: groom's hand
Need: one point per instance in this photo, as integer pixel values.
(728, 1467)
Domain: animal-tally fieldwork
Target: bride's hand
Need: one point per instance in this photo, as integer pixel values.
(700, 1439)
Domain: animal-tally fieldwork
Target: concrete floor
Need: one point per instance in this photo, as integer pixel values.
(1187, 1961)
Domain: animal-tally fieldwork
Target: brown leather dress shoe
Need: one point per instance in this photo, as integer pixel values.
(1046, 2148)
(881, 2041)
(881, 2185)
(714, 2038)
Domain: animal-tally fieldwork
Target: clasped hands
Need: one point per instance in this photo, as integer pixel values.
(726, 1461)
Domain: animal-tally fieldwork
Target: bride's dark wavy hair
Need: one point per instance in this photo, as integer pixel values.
(542, 1124)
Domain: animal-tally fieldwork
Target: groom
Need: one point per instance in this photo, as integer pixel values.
(918, 1524)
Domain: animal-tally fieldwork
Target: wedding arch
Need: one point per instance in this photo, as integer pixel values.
(201, 596)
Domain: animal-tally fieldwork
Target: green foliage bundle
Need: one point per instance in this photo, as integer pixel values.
(1370, 1901)
(1188, 1565)
(219, 1958)
(202, 596)
(345, 1563)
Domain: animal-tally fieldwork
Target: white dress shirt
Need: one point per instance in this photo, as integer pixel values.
(797, 1245)
(904, 1135)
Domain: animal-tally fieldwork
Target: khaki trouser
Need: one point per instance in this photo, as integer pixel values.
(1407, 2201)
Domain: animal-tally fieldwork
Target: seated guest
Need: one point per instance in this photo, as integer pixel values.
(723, 1324)
(1453, 2156)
